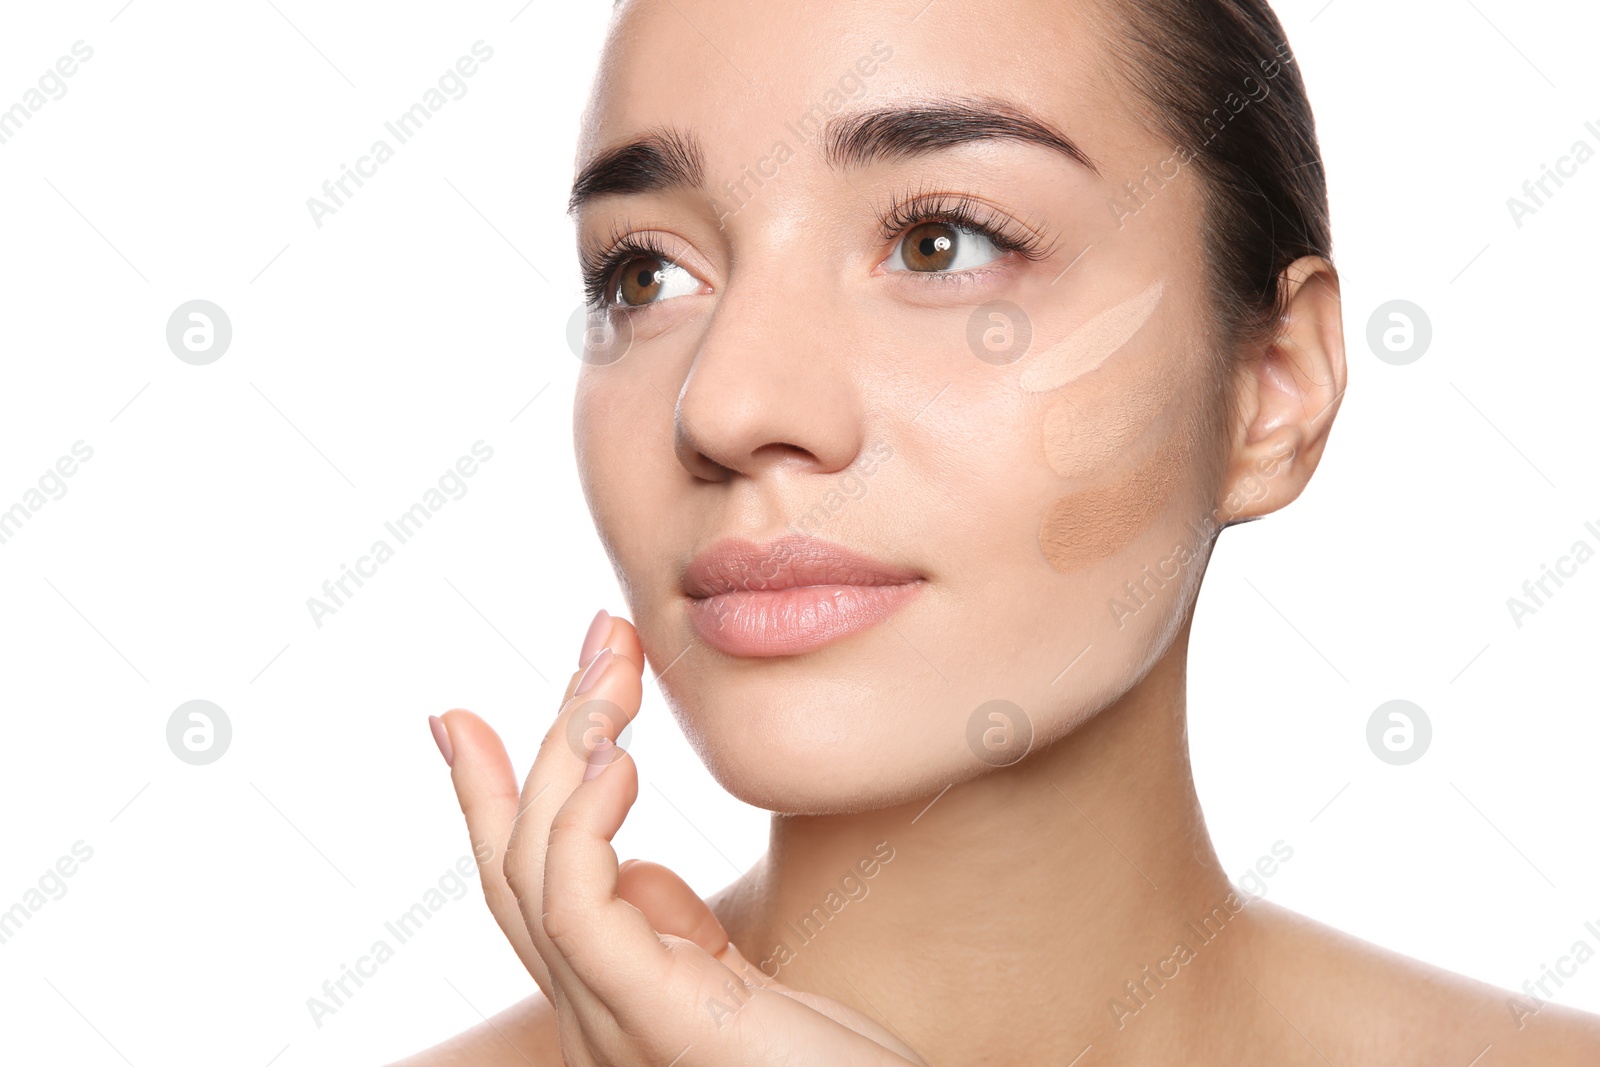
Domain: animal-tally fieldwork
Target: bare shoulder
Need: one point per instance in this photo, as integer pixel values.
(1377, 1006)
(522, 1035)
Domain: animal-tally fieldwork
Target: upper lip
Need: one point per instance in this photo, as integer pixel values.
(789, 562)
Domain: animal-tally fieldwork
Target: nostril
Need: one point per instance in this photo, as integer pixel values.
(778, 451)
(695, 455)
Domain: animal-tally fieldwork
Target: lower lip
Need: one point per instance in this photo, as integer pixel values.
(787, 622)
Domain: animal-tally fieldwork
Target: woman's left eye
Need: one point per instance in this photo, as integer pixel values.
(649, 279)
(935, 247)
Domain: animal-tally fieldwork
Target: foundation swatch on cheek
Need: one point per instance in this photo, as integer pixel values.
(1094, 524)
(1091, 344)
(1085, 430)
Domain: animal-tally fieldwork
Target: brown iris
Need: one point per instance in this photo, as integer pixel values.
(641, 279)
(930, 246)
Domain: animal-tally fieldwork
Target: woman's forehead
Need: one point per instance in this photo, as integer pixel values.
(744, 75)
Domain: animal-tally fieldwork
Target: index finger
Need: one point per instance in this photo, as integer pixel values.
(612, 699)
(487, 788)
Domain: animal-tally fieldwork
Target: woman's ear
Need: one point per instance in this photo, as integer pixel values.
(1286, 397)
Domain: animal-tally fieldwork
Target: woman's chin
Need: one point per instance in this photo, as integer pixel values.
(792, 791)
(802, 764)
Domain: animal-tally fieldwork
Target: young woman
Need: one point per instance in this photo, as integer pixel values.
(932, 345)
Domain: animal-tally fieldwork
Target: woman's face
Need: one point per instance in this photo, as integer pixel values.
(935, 339)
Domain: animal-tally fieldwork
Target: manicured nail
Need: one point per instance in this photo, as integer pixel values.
(441, 737)
(599, 758)
(598, 629)
(592, 673)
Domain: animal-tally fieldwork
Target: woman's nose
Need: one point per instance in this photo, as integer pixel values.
(772, 384)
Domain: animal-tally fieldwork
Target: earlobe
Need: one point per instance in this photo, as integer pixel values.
(1288, 395)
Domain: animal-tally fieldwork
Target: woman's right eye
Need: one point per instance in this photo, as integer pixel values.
(936, 247)
(642, 280)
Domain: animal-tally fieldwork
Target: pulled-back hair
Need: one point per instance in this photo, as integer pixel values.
(1220, 81)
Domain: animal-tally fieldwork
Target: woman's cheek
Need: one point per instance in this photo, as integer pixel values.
(1113, 429)
(1117, 496)
(601, 438)
(1125, 441)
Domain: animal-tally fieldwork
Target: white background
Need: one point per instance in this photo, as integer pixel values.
(429, 313)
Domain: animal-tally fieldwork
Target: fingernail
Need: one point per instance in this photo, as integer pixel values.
(441, 737)
(598, 629)
(599, 759)
(592, 673)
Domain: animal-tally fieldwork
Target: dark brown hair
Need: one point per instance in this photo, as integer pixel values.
(1221, 82)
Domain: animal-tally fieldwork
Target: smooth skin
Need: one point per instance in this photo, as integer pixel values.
(626, 955)
(1021, 900)
(620, 949)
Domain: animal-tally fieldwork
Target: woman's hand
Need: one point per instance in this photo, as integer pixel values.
(638, 968)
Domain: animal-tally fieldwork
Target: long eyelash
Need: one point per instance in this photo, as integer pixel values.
(599, 266)
(912, 208)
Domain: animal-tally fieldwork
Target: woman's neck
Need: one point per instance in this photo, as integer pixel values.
(1021, 903)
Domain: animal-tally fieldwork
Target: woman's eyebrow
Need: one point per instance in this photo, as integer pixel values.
(864, 137)
(665, 158)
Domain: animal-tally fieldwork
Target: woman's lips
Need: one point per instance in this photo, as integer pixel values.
(790, 596)
(787, 622)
